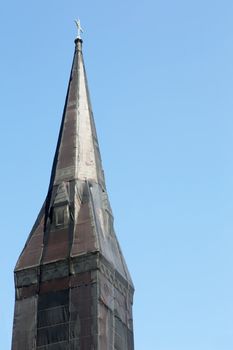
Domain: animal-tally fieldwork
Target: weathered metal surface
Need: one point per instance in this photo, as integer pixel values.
(53, 318)
(26, 277)
(55, 270)
(56, 284)
(24, 328)
(72, 263)
(82, 314)
(84, 234)
(106, 292)
(32, 252)
(84, 278)
(26, 292)
(57, 247)
(106, 326)
(84, 263)
(120, 334)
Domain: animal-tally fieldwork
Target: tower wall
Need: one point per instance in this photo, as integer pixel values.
(78, 304)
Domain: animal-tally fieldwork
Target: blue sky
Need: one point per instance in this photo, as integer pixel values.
(161, 81)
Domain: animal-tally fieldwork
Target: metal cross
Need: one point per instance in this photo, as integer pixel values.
(80, 30)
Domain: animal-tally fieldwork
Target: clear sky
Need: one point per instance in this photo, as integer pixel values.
(161, 80)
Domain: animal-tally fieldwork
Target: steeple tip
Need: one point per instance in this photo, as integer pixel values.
(78, 44)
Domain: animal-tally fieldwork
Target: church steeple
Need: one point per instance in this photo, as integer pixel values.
(73, 288)
(77, 154)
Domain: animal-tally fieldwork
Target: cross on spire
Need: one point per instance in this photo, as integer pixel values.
(79, 28)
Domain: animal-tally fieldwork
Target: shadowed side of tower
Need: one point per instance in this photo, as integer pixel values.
(73, 288)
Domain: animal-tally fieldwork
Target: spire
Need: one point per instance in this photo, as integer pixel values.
(77, 154)
(73, 288)
(77, 191)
